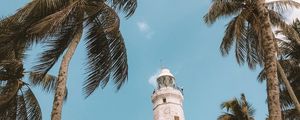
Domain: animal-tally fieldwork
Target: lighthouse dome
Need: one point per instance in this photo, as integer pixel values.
(165, 78)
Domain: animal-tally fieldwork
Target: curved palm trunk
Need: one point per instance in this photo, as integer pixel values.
(288, 87)
(270, 59)
(62, 77)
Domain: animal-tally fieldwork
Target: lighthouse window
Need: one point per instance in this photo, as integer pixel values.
(164, 100)
(176, 117)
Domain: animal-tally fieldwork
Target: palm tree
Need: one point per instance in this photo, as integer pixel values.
(17, 101)
(60, 23)
(237, 109)
(289, 72)
(250, 31)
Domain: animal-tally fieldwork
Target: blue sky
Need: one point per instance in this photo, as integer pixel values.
(161, 32)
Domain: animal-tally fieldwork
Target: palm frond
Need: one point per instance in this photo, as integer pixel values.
(240, 46)
(119, 61)
(291, 114)
(32, 106)
(253, 48)
(46, 81)
(21, 108)
(39, 9)
(226, 116)
(56, 21)
(106, 51)
(127, 6)
(228, 38)
(9, 91)
(56, 47)
(221, 8)
(9, 110)
(261, 76)
(238, 109)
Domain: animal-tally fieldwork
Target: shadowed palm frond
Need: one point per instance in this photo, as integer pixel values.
(245, 37)
(106, 51)
(9, 111)
(32, 106)
(39, 9)
(23, 106)
(56, 47)
(221, 8)
(53, 23)
(291, 114)
(126, 6)
(46, 81)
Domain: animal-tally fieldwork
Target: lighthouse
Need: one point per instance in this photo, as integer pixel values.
(167, 98)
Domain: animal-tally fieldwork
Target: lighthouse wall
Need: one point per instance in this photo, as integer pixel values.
(167, 104)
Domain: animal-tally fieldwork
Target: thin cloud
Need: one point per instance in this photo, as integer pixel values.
(145, 29)
(152, 79)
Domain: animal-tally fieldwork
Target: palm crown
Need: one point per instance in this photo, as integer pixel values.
(237, 109)
(243, 31)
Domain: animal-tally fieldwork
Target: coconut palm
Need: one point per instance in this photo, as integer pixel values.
(17, 101)
(289, 60)
(237, 109)
(250, 31)
(60, 23)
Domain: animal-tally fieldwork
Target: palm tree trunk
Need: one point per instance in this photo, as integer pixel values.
(270, 59)
(288, 87)
(62, 77)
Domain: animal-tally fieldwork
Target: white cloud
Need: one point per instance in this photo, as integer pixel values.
(152, 79)
(145, 29)
(143, 26)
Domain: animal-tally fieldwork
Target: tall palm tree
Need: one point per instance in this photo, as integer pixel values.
(289, 60)
(250, 31)
(237, 110)
(60, 26)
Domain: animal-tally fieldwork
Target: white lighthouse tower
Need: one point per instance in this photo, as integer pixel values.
(167, 98)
